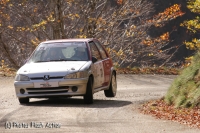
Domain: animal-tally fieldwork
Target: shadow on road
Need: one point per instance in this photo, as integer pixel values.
(75, 102)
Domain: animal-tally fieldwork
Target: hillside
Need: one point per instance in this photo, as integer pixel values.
(185, 90)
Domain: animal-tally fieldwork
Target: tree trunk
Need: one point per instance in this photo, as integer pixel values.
(58, 27)
(6, 53)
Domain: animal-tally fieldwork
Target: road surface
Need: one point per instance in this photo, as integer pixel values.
(107, 115)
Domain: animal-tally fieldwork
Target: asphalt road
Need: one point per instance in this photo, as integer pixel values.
(109, 115)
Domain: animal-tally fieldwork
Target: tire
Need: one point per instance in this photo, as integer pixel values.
(111, 92)
(88, 97)
(23, 100)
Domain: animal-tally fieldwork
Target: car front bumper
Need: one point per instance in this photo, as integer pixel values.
(64, 87)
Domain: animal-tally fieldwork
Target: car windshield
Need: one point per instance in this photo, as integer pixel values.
(62, 51)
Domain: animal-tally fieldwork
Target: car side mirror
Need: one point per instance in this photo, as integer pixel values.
(94, 59)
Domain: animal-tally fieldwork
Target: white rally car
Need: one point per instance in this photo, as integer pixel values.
(66, 67)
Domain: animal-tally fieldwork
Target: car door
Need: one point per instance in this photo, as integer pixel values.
(98, 70)
(107, 63)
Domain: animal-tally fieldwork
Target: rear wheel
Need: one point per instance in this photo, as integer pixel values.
(88, 97)
(112, 88)
(23, 100)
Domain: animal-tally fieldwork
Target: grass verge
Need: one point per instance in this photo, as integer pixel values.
(185, 90)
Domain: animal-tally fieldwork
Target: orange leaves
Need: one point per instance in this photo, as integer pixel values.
(4, 15)
(148, 42)
(101, 21)
(22, 29)
(73, 16)
(194, 6)
(50, 18)
(10, 27)
(162, 38)
(155, 45)
(69, 1)
(38, 26)
(119, 2)
(193, 25)
(147, 70)
(169, 14)
(160, 109)
(4, 70)
(77, 16)
(81, 36)
(3, 2)
(2, 63)
(172, 9)
(35, 41)
(150, 54)
(119, 54)
(35, 10)
(193, 45)
(188, 61)
(165, 36)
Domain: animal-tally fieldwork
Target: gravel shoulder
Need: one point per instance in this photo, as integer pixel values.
(119, 114)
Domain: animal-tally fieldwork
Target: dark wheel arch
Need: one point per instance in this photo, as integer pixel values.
(111, 92)
(88, 97)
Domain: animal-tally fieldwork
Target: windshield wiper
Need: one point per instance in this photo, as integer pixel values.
(40, 61)
(59, 60)
(73, 60)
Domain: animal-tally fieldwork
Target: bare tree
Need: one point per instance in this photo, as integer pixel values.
(120, 25)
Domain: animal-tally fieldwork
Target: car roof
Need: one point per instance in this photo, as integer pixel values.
(70, 40)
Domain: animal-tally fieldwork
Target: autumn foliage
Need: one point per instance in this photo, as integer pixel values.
(6, 71)
(161, 110)
(193, 25)
(120, 2)
(121, 25)
(184, 91)
(149, 70)
(170, 13)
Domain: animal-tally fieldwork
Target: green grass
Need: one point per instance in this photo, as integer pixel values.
(185, 90)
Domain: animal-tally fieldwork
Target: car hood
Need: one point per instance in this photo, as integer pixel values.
(58, 68)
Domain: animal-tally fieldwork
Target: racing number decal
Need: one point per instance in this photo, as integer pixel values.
(99, 73)
(107, 71)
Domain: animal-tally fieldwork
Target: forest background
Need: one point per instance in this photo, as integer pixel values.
(139, 33)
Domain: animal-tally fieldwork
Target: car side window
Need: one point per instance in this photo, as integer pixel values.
(102, 51)
(94, 51)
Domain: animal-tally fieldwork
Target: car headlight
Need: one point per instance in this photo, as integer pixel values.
(75, 75)
(20, 77)
(71, 76)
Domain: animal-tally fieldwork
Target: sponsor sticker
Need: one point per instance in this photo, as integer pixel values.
(45, 84)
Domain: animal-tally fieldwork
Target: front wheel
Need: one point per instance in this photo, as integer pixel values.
(23, 100)
(111, 92)
(88, 97)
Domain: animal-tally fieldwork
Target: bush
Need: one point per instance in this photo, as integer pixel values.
(185, 90)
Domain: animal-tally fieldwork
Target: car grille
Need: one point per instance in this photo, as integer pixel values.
(41, 78)
(62, 89)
